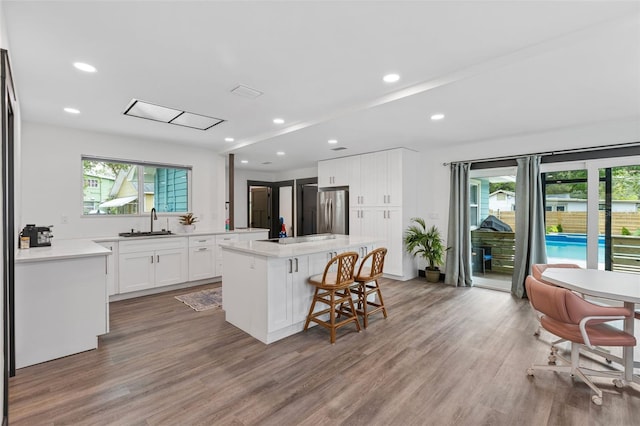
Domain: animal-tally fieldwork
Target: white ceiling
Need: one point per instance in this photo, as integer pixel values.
(495, 69)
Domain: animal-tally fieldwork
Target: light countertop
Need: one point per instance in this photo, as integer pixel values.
(182, 234)
(61, 249)
(271, 249)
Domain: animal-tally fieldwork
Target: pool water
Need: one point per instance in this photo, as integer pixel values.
(571, 247)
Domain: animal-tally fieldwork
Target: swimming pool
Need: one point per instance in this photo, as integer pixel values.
(571, 247)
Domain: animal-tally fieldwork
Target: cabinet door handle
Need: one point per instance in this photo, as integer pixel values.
(296, 264)
(290, 266)
(158, 258)
(151, 258)
(202, 249)
(202, 241)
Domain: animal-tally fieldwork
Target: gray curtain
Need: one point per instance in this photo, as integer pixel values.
(458, 267)
(530, 232)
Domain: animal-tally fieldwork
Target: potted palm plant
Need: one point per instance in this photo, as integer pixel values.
(428, 243)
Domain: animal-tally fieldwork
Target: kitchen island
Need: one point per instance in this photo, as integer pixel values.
(61, 304)
(264, 284)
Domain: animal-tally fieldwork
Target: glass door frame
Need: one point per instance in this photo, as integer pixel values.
(593, 194)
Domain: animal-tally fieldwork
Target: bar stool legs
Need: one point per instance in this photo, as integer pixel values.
(333, 289)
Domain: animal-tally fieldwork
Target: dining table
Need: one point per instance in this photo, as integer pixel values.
(611, 285)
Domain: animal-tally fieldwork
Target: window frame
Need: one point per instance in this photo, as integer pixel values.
(474, 183)
(140, 165)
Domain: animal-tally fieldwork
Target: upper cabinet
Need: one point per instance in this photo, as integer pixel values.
(376, 179)
(382, 198)
(333, 173)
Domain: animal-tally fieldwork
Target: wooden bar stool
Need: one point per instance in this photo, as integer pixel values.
(367, 284)
(332, 289)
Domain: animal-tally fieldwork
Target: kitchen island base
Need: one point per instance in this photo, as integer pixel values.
(264, 286)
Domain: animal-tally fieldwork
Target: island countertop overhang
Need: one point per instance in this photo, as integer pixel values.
(275, 250)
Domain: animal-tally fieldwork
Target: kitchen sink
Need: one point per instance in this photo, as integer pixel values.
(144, 233)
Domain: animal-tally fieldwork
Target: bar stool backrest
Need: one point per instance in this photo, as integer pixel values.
(344, 273)
(377, 264)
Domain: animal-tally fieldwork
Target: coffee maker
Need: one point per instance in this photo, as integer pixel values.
(39, 236)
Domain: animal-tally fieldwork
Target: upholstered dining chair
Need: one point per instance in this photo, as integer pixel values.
(537, 270)
(366, 286)
(584, 324)
(333, 289)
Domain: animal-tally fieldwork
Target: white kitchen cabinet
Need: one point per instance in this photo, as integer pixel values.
(136, 271)
(268, 296)
(333, 173)
(112, 261)
(202, 257)
(171, 266)
(356, 194)
(362, 222)
(290, 296)
(222, 238)
(382, 173)
(389, 223)
(369, 179)
(61, 304)
(149, 263)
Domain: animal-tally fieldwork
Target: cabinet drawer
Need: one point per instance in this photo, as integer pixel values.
(202, 240)
(226, 237)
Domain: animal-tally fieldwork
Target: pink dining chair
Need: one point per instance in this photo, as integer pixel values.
(537, 270)
(584, 324)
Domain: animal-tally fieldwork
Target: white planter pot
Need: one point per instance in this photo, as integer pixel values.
(188, 228)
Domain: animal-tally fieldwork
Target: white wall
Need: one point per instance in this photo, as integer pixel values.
(52, 180)
(433, 176)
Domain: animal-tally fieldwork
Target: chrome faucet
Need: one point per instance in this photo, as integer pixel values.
(154, 216)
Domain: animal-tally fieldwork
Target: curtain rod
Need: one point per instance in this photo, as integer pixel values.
(548, 153)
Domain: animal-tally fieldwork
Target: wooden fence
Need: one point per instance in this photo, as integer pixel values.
(576, 222)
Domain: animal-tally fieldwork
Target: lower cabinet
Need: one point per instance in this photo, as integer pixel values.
(142, 264)
(202, 257)
(222, 239)
(146, 264)
(270, 297)
(287, 292)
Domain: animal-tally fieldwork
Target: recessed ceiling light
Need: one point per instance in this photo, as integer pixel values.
(278, 121)
(437, 116)
(333, 141)
(72, 110)
(84, 67)
(229, 139)
(280, 153)
(391, 78)
(244, 161)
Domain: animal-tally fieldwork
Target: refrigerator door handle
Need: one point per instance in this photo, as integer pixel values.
(331, 218)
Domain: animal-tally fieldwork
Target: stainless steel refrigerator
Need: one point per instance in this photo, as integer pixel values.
(333, 211)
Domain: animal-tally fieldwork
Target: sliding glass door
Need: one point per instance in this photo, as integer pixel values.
(619, 218)
(492, 195)
(565, 194)
(593, 213)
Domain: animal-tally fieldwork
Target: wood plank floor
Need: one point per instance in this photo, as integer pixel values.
(445, 356)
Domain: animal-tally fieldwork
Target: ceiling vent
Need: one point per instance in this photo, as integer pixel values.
(340, 148)
(149, 111)
(246, 92)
